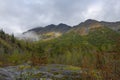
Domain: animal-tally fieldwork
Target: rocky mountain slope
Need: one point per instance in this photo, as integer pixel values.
(53, 31)
(47, 32)
(61, 28)
(84, 27)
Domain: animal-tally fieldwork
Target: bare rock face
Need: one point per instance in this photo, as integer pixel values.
(47, 72)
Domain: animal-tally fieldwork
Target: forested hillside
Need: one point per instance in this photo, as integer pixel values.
(13, 51)
(98, 51)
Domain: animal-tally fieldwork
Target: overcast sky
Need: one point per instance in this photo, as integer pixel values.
(17, 16)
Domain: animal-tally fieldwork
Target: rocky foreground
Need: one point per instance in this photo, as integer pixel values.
(46, 72)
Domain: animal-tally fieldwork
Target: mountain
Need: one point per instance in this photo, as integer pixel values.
(84, 27)
(61, 28)
(113, 25)
(54, 31)
(48, 32)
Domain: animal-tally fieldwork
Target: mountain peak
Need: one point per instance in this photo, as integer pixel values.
(91, 21)
(61, 24)
(51, 25)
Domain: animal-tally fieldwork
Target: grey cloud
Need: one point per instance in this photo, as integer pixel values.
(21, 15)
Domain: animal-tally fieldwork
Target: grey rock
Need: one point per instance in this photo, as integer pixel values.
(5, 75)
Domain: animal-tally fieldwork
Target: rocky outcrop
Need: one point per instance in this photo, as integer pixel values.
(47, 72)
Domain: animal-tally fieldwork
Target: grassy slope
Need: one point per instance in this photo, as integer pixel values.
(71, 47)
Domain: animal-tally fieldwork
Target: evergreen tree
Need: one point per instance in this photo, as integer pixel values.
(12, 38)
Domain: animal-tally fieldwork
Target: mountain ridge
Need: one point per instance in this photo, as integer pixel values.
(57, 28)
(87, 23)
(52, 31)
